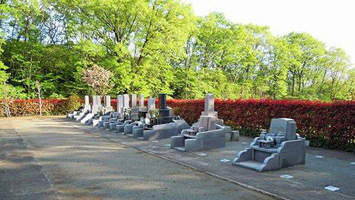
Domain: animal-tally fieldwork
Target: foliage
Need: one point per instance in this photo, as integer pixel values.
(154, 113)
(72, 103)
(329, 125)
(30, 107)
(154, 46)
(98, 78)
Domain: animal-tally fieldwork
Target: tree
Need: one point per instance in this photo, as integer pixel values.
(38, 87)
(154, 46)
(98, 79)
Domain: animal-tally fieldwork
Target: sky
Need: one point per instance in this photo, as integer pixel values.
(330, 21)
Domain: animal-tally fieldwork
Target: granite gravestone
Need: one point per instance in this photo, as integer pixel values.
(165, 114)
(134, 107)
(122, 105)
(279, 148)
(167, 126)
(87, 106)
(119, 104)
(108, 107)
(207, 133)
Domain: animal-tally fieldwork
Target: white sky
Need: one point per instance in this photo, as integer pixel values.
(330, 21)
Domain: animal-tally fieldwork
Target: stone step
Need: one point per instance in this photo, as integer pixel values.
(180, 148)
(251, 164)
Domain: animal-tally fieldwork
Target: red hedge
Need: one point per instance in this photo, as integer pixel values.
(329, 125)
(31, 107)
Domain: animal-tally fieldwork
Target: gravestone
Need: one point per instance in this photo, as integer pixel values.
(119, 104)
(125, 101)
(122, 105)
(209, 106)
(209, 117)
(151, 106)
(98, 97)
(108, 107)
(94, 110)
(166, 126)
(151, 103)
(165, 114)
(133, 100)
(279, 148)
(142, 110)
(95, 104)
(87, 103)
(78, 114)
(134, 107)
(207, 133)
(141, 100)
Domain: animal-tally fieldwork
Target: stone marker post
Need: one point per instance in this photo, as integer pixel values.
(120, 104)
(141, 100)
(125, 101)
(209, 106)
(87, 103)
(107, 101)
(164, 112)
(133, 100)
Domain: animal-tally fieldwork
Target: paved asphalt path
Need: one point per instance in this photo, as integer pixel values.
(41, 158)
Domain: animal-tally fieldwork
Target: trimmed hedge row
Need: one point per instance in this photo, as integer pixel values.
(328, 125)
(31, 107)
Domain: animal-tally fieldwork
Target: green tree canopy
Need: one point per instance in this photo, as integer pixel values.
(154, 46)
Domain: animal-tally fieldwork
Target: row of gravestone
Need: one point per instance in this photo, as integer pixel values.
(281, 147)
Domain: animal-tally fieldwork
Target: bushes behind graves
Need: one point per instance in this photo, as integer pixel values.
(328, 125)
(72, 103)
(31, 107)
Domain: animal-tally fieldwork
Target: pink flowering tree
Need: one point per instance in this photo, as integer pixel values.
(98, 78)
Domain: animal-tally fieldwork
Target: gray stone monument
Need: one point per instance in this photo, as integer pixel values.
(207, 133)
(133, 100)
(134, 107)
(151, 106)
(98, 100)
(118, 126)
(122, 104)
(142, 110)
(96, 104)
(108, 107)
(167, 126)
(119, 104)
(95, 109)
(126, 107)
(141, 100)
(87, 106)
(137, 113)
(165, 114)
(279, 148)
(151, 103)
